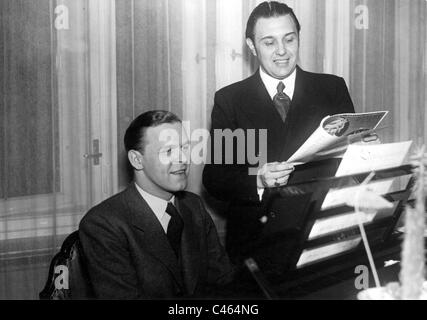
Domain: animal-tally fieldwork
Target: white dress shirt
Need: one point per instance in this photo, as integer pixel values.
(271, 83)
(158, 206)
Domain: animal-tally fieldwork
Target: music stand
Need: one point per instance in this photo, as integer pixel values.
(326, 239)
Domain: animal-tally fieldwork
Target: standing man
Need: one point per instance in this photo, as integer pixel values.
(286, 101)
(154, 240)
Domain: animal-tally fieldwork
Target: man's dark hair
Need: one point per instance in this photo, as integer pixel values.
(269, 9)
(134, 136)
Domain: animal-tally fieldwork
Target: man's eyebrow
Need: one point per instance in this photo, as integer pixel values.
(267, 38)
(293, 33)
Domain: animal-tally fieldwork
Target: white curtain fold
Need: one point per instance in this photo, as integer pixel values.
(410, 76)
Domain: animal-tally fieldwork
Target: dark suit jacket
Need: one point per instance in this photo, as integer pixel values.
(129, 256)
(247, 105)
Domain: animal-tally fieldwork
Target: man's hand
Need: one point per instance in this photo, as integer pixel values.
(274, 174)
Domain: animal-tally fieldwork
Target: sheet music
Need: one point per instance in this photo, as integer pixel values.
(339, 222)
(312, 255)
(338, 197)
(334, 130)
(365, 158)
(357, 159)
(347, 220)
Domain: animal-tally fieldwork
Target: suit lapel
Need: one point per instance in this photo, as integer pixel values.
(299, 116)
(190, 249)
(155, 239)
(258, 106)
(259, 109)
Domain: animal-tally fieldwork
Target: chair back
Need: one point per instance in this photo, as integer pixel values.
(68, 277)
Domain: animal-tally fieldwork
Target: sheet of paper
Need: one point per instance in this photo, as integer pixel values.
(338, 197)
(312, 255)
(339, 222)
(319, 140)
(347, 220)
(351, 123)
(335, 130)
(365, 158)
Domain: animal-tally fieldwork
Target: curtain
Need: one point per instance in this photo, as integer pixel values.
(388, 65)
(56, 83)
(76, 72)
(43, 188)
(410, 83)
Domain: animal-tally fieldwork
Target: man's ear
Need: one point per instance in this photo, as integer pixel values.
(135, 159)
(251, 46)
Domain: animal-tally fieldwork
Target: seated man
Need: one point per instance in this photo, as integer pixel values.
(154, 240)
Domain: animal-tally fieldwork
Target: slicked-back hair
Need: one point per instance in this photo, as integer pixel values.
(269, 9)
(134, 136)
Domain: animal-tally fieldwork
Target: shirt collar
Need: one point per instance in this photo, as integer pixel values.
(271, 83)
(158, 205)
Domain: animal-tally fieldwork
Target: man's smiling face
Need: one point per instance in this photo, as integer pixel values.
(165, 160)
(276, 45)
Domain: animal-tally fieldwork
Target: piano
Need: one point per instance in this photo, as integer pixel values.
(323, 256)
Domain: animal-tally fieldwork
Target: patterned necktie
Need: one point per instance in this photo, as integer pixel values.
(281, 101)
(175, 227)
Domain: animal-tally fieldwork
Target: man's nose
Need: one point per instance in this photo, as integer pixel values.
(183, 157)
(281, 48)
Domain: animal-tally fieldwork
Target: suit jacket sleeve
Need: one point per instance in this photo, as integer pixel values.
(108, 259)
(343, 99)
(227, 181)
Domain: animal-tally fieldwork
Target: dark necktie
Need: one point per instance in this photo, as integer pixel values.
(175, 227)
(281, 101)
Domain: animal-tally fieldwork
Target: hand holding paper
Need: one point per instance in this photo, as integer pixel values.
(274, 174)
(335, 132)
